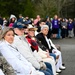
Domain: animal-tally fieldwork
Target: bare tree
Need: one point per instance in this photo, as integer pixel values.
(46, 8)
(59, 5)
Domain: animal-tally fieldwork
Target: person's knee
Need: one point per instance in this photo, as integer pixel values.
(48, 65)
(52, 54)
(47, 73)
(57, 57)
(58, 52)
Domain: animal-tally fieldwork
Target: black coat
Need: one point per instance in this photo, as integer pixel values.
(43, 41)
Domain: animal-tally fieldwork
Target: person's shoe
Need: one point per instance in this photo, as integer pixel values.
(63, 64)
(62, 67)
(58, 71)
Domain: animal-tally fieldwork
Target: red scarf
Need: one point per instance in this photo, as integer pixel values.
(32, 42)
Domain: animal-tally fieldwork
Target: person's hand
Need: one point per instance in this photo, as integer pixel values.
(47, 50)
(43, 66)
(47, 54)
(54, 51)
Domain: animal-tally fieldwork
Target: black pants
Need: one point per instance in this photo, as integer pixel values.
(63, 33)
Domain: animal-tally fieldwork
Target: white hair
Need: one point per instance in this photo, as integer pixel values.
(44, 26)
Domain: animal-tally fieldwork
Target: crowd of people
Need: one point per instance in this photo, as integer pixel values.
(58, 27)
(26, 44)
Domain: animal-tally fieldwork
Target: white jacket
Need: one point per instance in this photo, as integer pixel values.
(52, 44)
(16, 60)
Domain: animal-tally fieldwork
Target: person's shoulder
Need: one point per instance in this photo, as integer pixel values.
(16, 37)
(2, 43)
(39, 34)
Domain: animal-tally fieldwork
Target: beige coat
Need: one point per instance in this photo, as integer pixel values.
(22, 45)
(47, 59)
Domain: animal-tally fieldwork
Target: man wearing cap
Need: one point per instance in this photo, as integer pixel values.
(23, 47)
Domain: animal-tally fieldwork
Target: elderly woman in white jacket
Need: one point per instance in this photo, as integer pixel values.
(14, 58)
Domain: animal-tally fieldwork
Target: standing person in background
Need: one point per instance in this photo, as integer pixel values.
(74, 27)
(36, 21)
(70, 28)
(4, 22)
(59, 31)
(55, 26)
(20, 19)
(12, 20)
(41, 22)
(63, 28)
(48, 22)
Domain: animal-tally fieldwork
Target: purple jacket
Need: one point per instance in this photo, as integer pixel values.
(55, 24)
(70, 26)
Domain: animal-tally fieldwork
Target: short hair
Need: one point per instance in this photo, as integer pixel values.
(44, 26)
(20, 14)
(42, 20)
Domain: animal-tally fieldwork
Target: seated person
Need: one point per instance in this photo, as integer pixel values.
(35, 48)
(51, 47)
(23, 47)
(12, 55)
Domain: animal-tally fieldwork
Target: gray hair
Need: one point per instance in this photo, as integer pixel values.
(44, 26)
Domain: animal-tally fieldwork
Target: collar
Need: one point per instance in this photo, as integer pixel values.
(7, 42)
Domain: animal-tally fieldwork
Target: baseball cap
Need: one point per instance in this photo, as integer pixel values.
(18, 25)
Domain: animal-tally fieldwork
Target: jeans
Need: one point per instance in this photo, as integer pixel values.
(52, 54)
(48, 71)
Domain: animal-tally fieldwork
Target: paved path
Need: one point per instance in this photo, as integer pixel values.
(68, 53)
